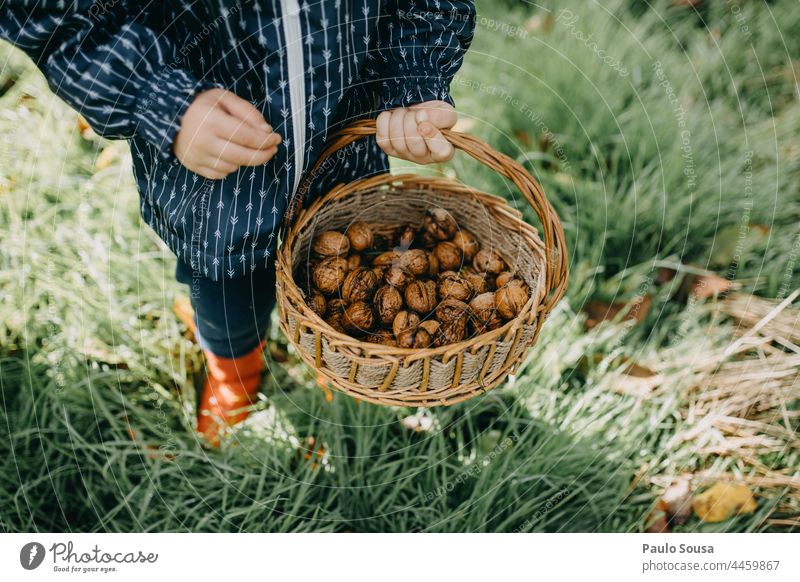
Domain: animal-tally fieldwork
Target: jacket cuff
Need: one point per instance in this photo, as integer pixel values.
(161, 106)
(405, 91)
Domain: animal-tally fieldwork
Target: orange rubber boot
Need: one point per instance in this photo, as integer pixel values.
(231, 385)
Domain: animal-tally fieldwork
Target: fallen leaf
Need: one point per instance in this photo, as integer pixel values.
(638, 371)
(523, 137)
(599, 311)
(665, 275)
(723, 500)
(705, 286)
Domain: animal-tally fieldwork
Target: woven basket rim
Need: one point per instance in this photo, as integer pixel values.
(395, 376)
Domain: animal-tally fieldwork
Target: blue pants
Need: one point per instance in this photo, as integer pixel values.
(232, 315)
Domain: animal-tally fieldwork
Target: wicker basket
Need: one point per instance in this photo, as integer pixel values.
(445, 375)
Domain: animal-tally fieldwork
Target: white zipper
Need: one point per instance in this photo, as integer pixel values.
(293, 36)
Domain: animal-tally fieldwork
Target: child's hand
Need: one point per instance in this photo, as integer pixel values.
(221, 132)
(413, 133)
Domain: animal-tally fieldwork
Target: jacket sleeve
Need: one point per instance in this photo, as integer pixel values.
(122, 76)
(419, 48)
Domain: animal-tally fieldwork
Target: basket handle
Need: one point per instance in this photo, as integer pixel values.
(556, 265)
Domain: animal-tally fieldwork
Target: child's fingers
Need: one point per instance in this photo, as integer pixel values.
(241, 156)
(441, 150)
(233, 129)
(243, 110)
(416, 146)
(382, 133)
(211, 173)
(440, 113)
(214, 171)
(396, 133)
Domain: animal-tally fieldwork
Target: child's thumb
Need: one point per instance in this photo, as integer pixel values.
(442, 115)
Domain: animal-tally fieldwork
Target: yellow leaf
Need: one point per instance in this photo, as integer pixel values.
(723, 500)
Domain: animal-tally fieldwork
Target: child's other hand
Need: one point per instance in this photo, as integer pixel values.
(413, 133)
(220, 132)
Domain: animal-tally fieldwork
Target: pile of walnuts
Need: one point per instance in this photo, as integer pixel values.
(412, 287)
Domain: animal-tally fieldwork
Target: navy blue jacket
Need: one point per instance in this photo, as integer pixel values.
(132, 67)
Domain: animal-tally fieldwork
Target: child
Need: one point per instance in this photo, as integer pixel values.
(225, 104)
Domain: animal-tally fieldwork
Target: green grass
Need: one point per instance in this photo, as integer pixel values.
(89, 345)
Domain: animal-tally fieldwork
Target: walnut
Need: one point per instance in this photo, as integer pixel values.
(379, 272)
(386, 259)
(421, 296)
(316, 301)
(358, 318)
(433, 265)
(483, 306)
(388, 303)
(329, 275)
(448, 255)
(398, 277)
(427, 240)
(452, 310)
(383, 337)
(415, 337)
(452, 332)
(488, 261)
(439, 224)
(404, 236)
(431, 326)
(354, 261)
(403, 321)
(359, 285)
(467, 244)
(503, 278)
(336, 309)
(336, 306)
(380, 242)
(335, 321)
(360, 236)
(453, 285)
(415, 261)
(511, 298)
(331, 244)
(479, 327)
(478, 281)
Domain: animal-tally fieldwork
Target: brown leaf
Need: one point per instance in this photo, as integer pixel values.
(665, 275)
(723, 500)
(598, 311)
(523, 137)
(705, 286)
(638, 371)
